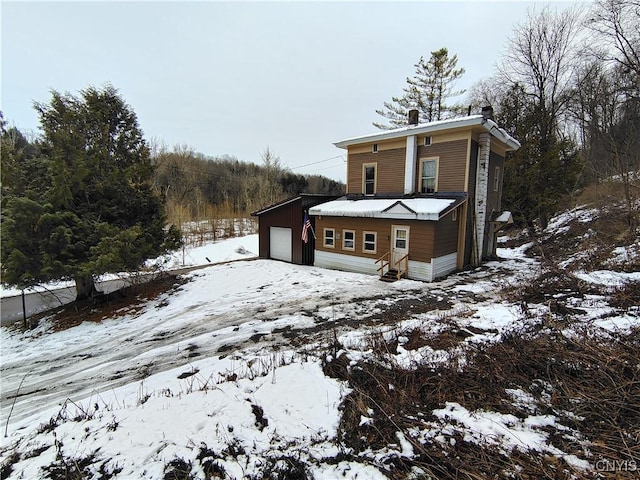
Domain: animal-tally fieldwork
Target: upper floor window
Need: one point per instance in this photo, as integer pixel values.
(427, 141)
(374, 149)
(369, 178)
(428, 172)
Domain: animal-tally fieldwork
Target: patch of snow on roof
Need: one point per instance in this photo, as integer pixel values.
(419, 208)
(504, 217)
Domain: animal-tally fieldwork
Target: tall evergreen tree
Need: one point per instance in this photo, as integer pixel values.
(427, 91)
(98, 213)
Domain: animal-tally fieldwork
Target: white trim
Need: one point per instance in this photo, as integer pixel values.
(410, 164)
(427, 128)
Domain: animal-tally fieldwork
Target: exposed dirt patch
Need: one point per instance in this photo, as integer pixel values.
(553, 284)
(128, 301)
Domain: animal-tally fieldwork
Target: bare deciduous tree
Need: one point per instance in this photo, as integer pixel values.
(537, 71)
(617, 24)
(540, 57)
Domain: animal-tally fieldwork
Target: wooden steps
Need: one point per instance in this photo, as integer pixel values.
(390, 276)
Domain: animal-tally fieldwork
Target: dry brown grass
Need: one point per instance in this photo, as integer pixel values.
(592, 385)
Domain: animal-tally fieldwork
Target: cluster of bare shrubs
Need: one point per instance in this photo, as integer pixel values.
(591, 384)
(199, 233)
(278, 467)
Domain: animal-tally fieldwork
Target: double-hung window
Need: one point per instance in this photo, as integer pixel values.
(329, 238)
(369, 178)
(348, 240)
(369, 242)
(428, 169)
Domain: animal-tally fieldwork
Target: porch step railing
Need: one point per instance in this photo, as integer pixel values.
(403, 266)
(399, 270)
(384, 263)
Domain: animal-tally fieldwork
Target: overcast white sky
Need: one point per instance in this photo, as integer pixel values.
(236, 77)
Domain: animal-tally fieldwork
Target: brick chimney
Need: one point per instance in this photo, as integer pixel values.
(413, 116)
(487, 112)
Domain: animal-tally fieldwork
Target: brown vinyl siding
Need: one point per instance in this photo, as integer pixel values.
(389, 170)
(359, 225)
(451, 166)
(446, 240)
(421, 240)
(421, 236)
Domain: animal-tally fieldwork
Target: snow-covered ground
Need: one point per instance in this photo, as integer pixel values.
(225, 373)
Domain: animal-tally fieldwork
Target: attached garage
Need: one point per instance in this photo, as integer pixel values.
(280, 243)
(280, 229)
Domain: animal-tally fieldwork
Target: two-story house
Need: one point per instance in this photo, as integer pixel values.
(422, 200)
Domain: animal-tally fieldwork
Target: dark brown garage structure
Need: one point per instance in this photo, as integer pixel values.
(280, 229)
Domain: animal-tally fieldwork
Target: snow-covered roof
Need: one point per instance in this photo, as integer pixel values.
(504, 217)
(432, 127)
(398, 208)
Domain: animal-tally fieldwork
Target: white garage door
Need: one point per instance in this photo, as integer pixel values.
(280, 243)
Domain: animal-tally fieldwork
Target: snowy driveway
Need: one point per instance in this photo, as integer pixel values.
(221, 309)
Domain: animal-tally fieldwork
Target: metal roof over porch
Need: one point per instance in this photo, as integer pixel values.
(395, 208)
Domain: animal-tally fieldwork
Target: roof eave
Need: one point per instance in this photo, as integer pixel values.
(413, 130)
(493, 128)
(471, 121)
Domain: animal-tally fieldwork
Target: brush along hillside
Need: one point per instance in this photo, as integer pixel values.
(528, 367)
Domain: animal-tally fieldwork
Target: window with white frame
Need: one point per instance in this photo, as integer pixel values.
(374, 149)
(369, 178)
(369, 242)
(427, 141)
(428, 172)
(329, 238)
(348, 240)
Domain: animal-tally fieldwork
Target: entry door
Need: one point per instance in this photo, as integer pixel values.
(400, 244)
